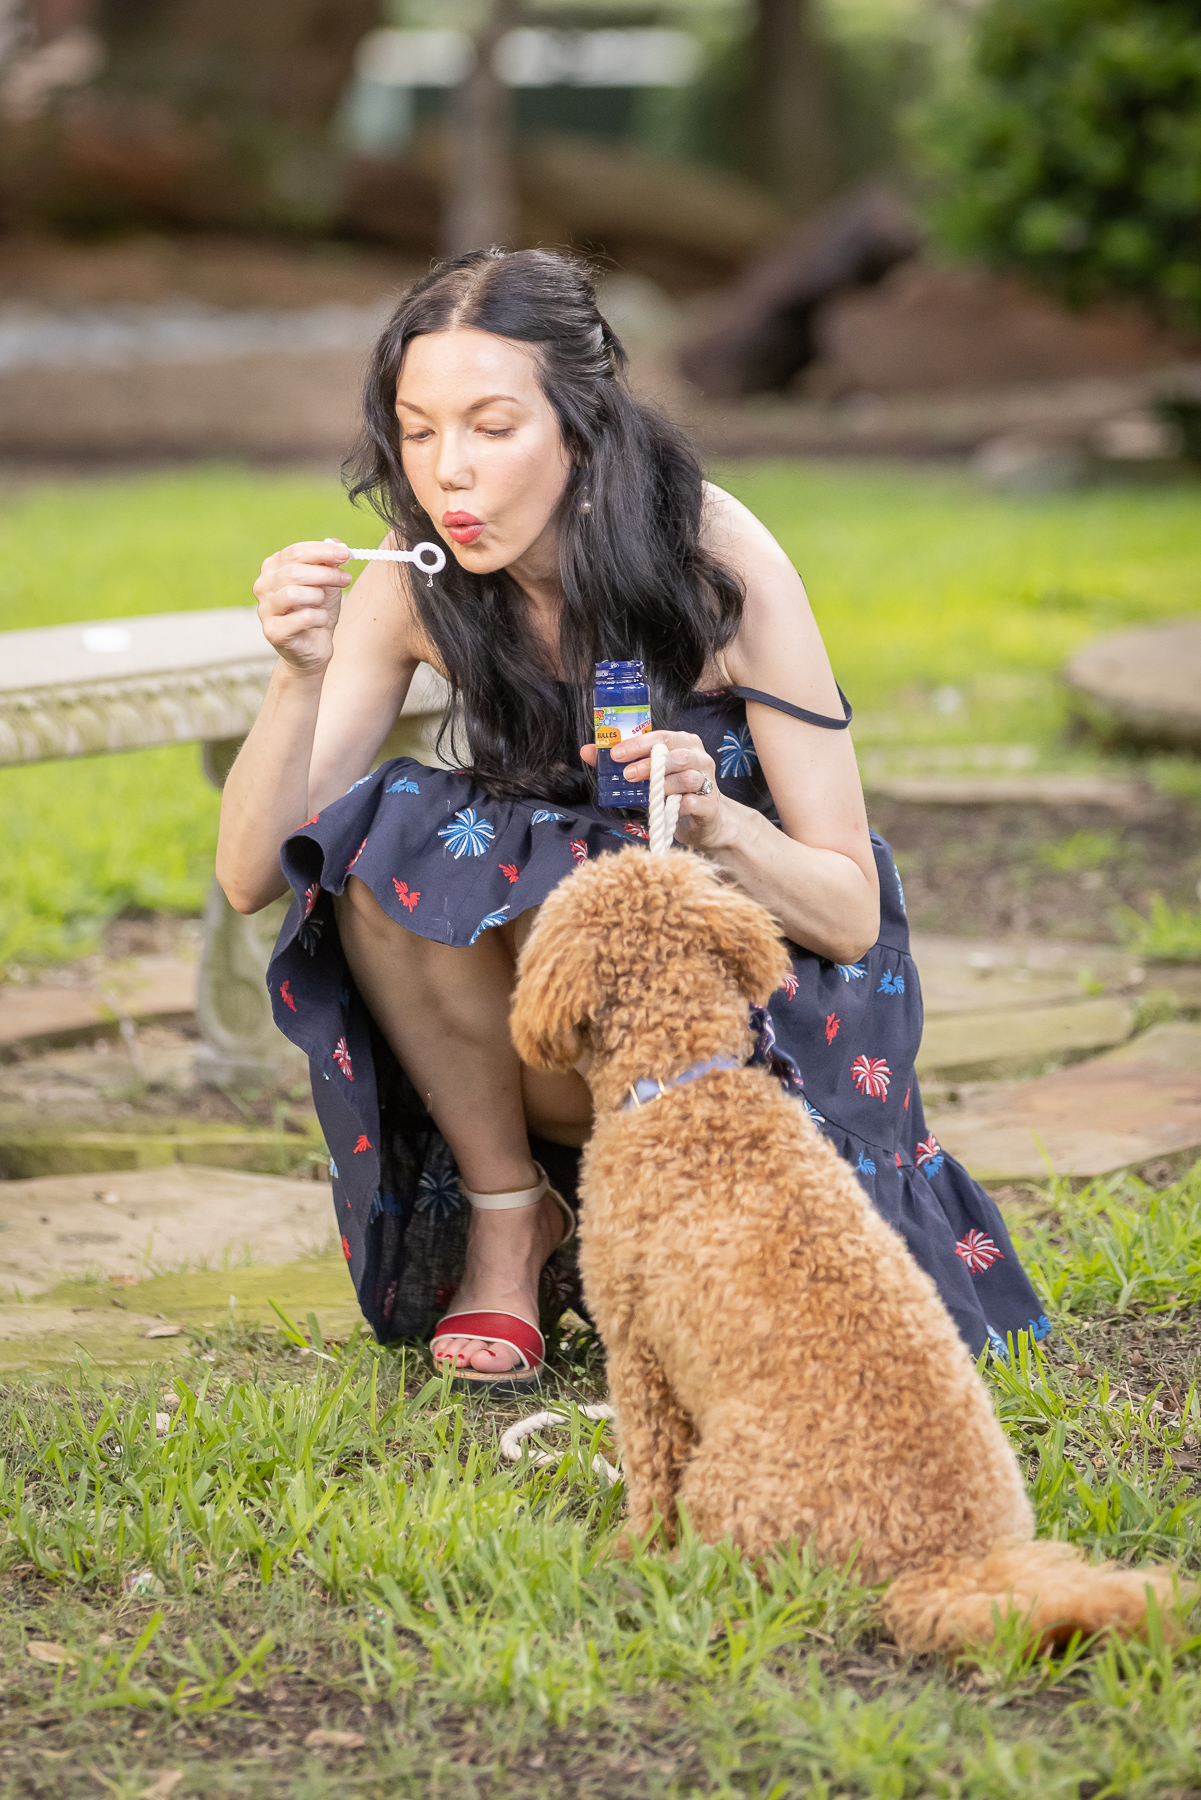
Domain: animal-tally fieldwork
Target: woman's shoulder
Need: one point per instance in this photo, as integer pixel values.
(381, 615)
(731, 532)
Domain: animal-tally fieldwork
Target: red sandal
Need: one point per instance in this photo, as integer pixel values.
(504, 1328)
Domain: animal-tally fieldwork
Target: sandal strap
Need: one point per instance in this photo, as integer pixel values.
(516, 1197)
(522, 1197)
(510, 1329)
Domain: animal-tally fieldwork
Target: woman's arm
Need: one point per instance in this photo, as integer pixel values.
(818, 874)
(344, 669)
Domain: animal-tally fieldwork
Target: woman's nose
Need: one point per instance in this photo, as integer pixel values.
(453, 469)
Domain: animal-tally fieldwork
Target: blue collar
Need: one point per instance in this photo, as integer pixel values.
(649, 1087)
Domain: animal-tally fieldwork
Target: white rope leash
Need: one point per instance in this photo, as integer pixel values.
(663, 812)
(512, 1440)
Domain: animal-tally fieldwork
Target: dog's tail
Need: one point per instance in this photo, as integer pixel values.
(955, 1604)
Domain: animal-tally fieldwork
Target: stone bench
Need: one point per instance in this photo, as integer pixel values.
(1143, 685)
(169, 678)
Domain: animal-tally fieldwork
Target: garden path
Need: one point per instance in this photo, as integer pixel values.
(126, 1172)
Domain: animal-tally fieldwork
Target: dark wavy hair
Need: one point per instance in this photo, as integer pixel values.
(637, 582)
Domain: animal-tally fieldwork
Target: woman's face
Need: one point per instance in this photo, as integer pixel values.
(481, 446)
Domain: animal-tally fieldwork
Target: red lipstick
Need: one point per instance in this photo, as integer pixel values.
(463, 527)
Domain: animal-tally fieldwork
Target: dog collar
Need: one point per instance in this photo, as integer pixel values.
(649, 1087)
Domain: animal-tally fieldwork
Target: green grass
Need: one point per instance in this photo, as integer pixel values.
(1167, 934)
(318, 1536)
(922, 582)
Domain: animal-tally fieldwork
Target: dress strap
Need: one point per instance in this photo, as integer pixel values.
(798, 712)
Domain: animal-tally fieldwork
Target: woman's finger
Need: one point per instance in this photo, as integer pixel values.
(691, 759)
(302, 574)
(279, 631)
(297, 595)
(644, 742)
(315, 550)
(700, 806)
(689, 781)
(284, 571)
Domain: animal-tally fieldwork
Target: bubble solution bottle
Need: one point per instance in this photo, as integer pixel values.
(622, 704)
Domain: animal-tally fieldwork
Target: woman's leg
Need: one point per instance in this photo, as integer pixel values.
(445, 1014)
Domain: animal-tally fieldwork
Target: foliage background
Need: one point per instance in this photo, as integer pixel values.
(1069, 145)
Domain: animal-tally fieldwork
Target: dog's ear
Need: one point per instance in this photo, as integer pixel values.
(747, 939)
(556, 989)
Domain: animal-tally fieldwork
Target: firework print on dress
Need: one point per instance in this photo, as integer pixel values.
(450, 863)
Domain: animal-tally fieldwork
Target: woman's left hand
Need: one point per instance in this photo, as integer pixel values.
(691, 773)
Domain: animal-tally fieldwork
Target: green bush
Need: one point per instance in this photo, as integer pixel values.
(1071, 147)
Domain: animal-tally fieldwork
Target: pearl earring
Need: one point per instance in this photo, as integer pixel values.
(585, 503)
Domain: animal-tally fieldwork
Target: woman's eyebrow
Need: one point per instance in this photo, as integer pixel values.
(476, 405)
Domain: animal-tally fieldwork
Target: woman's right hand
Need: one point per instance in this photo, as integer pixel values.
(299, 592)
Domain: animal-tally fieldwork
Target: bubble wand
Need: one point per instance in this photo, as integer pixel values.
(429, 558)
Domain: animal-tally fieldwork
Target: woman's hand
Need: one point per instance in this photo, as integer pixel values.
(299, 592)
(706, 816)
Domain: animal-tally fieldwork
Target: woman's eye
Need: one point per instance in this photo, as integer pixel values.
(414, 437)
(497, 431)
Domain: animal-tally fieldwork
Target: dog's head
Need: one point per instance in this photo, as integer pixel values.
(633, 945)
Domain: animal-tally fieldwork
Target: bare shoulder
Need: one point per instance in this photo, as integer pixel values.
(731, 531)
(380, 620)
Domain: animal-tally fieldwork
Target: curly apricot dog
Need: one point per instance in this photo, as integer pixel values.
(780, 1365)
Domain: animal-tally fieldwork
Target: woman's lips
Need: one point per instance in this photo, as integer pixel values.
(463, 527)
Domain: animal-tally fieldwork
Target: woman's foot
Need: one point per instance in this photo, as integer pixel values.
(506, 1252)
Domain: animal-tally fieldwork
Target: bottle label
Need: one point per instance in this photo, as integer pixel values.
(615, 723)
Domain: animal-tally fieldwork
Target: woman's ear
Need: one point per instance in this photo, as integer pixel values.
(555, 992)
(746, 938)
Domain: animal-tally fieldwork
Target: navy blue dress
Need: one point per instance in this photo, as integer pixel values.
(448, 862)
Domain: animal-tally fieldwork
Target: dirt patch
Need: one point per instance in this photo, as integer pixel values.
(1058, 870)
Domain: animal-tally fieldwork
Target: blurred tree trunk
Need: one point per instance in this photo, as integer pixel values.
(481, 202)
(796, 148)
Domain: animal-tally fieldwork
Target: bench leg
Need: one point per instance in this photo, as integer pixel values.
(241, 1044)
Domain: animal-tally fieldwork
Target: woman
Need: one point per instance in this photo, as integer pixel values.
(498, 419)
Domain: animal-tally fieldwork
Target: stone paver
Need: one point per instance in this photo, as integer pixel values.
(140, 988)
(112, 1106)
(1139, 1101)
(1145, 682)
(994, 974)
(1173, 1046)
(972, 1046)
(70, 1150)
(63, 1226)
